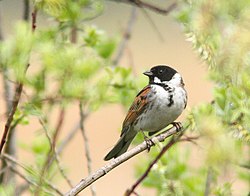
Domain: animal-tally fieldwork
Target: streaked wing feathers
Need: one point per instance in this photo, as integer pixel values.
(137, 107)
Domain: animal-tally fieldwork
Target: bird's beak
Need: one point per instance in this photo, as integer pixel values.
(148, 73)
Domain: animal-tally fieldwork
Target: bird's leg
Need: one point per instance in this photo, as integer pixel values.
(177, 125)
(148, 141)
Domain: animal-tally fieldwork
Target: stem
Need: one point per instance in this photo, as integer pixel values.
(117, 161)
(86, 146)
(15, 102)
(145, 174)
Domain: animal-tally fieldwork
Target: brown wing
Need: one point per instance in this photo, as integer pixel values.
(136, 108)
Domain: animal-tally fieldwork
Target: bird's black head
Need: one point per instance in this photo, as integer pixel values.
(160, 74)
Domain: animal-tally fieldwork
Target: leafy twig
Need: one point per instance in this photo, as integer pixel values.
(119, 160)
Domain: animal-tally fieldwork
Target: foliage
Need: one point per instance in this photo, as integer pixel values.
(220, 33)
(60, 74)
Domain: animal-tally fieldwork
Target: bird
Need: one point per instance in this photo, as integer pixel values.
(156, 106)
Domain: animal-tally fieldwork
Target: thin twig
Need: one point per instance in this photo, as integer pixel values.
(245, 166)
(126, 36)
(25, 178)
(26, 10)
(208, 181)
(164, 149)
(119, 160)
(1, 33)
(73, 34)
(58, 127)
(145, 174)
(22, 187)
(68, 138)
(15, 102)
(61, 170)
(189, 139)
(86, 145)
(13, 160)
(17, 95)
(149, 6)
(11, 138)
(52, 152)
(34, 16)
(151, 21)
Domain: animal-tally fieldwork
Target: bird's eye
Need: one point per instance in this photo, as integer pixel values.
(161, 71)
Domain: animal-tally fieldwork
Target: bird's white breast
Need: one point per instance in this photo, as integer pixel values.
(165, 105)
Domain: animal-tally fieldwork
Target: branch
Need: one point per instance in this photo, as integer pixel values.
(53, 151)
(119, 160)
(145, 174)
(27, 169)
(26, 10)
(15, 102)
(86, 145)
(30, 182)
(126, 36)
(17, 95)
(209, 180)
(1, 33)
(34, 14)
(149, 6)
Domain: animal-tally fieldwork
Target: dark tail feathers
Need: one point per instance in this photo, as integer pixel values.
(120, 147)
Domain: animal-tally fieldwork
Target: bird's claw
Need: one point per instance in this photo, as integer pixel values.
(177, 125)
(149, 143)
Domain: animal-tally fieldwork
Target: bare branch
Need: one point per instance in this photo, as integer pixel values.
(61, 170)
(145, 174)
(13, 160)
(68, 138)
(34, 14)
(26, 10)
(17, 95)
(58, 128)
(73, 34)
(86, 145)
(11, 138)
(246, 166)
(15, 102)
(126, 36)
(1, 33)
(208, 181)
(149, 6)
(52, 154)
(119, 160)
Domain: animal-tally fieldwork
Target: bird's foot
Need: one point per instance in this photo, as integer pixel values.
(177, 125)
(149, 141)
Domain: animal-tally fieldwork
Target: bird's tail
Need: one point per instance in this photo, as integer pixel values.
(121, 146)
